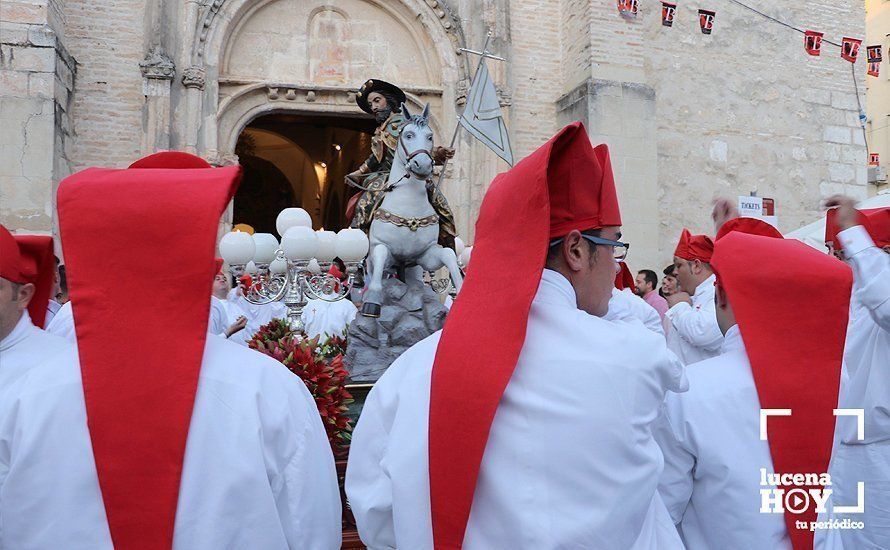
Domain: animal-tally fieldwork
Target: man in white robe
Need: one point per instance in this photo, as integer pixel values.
(626, 306)
(324, 318)
(693, 334)
(219, 310)
(168, 437)
(714, 457)
(526, 422)
(255, 315)
(864, 239)
(22, 344)
(62, 324)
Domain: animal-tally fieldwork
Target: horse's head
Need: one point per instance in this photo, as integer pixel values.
(416, 143)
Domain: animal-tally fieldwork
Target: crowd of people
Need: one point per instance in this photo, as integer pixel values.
(574, 406)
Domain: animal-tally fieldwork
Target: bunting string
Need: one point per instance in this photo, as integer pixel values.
(812, 40)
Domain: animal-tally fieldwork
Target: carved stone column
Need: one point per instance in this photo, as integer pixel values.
(157, 75)
(193, 78)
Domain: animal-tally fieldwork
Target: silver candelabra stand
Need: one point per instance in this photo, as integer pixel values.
(295, 284)
(296, 268)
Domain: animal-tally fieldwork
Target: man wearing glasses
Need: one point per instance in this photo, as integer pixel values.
(526, 423)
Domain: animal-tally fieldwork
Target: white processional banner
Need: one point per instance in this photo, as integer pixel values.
(482, 116)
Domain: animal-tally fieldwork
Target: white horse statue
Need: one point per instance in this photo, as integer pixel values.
(404, 231)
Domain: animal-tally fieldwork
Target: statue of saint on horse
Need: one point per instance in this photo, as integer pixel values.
(384, 101)
(409, 223)
(405, 229)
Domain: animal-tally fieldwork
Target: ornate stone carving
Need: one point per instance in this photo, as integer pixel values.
(194, 77)
(215, 158)
(505, 96)
(463, 87)
(444, 14)
(229, 160)
(157, 65)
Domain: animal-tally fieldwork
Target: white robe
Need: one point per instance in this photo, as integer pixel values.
(694, 334)
(258, 470)
(23, 348)
(326, 319)
(865, 385)
(219, 317)
(626, 306)
(570, 461)
(713, 454)
(52, 307)
(62, 324)
(257, 316)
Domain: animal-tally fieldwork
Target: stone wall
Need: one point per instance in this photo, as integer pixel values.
(107, 39)
(36, 83)
(534, 72)
(744, 109)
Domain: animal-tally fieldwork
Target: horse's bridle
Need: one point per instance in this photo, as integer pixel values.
(409, 156)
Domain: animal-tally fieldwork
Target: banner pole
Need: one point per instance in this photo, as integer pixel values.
(457, 126)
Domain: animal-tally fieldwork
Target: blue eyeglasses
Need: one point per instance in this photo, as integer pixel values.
(619, 249)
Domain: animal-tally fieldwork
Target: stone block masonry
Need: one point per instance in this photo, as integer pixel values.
(37, 78)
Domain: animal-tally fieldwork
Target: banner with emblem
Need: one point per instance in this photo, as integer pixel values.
(812, 42)
(874, 159)
(874, 54)
(850, 49)
(482, 116)
(874, 69)
(706, 20)
(668, 12)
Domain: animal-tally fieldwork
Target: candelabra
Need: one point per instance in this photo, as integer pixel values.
(297, 267)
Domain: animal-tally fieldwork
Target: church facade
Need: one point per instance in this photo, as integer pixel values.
(688, 116)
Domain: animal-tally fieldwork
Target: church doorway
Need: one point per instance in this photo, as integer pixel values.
(299, 160)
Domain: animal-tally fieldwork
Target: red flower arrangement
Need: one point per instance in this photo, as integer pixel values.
(320, 366)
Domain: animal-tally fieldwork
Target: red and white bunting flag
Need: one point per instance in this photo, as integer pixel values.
(874, 54)
(627, 8)
(850, 49)
(668, 11)
(706, 20)
(874, 68)
(812, 42)
(874, 159)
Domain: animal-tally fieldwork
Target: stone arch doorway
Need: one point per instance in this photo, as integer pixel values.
(293, 159)
(251, 58)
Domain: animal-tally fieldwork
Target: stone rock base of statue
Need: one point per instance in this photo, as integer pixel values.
(409, 314)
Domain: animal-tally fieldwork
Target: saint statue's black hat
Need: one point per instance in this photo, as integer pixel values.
(373, 85)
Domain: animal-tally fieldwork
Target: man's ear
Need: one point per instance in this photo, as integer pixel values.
(26, 292)
(572, 252)
(696, 266)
